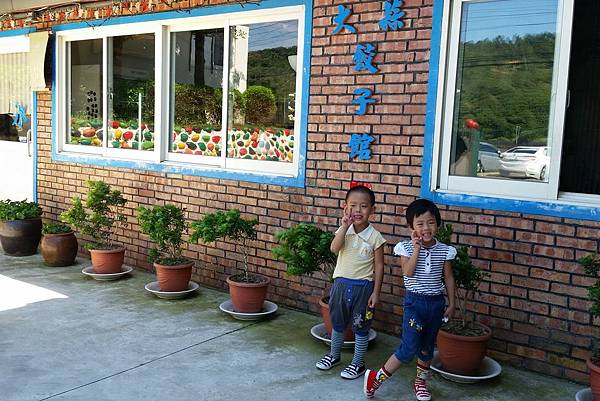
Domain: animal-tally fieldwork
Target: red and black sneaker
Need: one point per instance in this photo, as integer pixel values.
(421, 391)
(370, 383)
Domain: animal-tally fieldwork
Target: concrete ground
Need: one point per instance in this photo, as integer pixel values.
(66, 337)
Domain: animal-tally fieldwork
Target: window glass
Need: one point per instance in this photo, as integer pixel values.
(503, 89)
(84, 80)
(131, 96)
(197, 79)
(262, 82)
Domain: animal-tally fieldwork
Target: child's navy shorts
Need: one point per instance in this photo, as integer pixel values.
(348, 301)
(422, 320)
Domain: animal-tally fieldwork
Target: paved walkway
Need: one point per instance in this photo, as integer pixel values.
(65, 337)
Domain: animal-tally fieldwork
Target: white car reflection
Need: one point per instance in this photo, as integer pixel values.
(489, 158)
(525, 161)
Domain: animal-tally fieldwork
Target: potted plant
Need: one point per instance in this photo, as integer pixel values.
(20, 227)
(248, 290)
(165, 226)
(59, 245)
(591, 265)
(99, 221)
(462, 342)
(305, 248)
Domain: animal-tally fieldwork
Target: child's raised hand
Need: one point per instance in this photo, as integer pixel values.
(347, 218)
(416, 240)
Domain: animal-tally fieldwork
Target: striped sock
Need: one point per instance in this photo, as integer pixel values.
(337, 340)
(360, 348)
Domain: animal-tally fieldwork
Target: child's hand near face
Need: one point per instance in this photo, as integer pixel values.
(416, 241)
(347, 218)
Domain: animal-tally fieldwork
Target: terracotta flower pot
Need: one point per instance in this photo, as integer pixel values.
(107, 261)
(594, 379)
(248, 297)
(20, 237)
(59, 249)
(462, 354)
(174, 278)
(324, 304)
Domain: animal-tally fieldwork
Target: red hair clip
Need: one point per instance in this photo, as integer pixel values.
(360, 184)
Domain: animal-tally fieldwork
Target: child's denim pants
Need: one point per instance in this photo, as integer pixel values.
(422, 320)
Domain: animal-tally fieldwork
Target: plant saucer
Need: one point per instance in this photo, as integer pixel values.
(268, 309)
(488, 370)
(584, 395)
(154, 288)
(89, 271)
(320, 333)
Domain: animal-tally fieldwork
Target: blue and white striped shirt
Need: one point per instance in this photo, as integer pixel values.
(429, 274)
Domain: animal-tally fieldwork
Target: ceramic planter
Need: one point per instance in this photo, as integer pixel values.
(594, 379)
(107, 261)
(174, 278)
(462, 354)
(248, 297)
(20, 237)
(59, 249)
(324, 304)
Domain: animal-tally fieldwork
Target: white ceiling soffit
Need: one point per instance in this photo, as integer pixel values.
(16, 6)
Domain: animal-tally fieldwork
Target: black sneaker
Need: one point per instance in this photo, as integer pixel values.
(328, 362)
(353, 371)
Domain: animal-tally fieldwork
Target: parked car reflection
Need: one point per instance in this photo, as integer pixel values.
(489, 158)
(525, 161)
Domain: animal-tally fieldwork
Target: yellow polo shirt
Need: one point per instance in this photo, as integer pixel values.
(356, 260)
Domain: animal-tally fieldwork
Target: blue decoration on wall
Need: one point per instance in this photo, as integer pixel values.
(363, 58)
(20, 117)
(392, 15)
(360, 146)
(363, 100)
(340, 20)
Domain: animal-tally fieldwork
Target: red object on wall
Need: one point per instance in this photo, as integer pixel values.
(470, 123)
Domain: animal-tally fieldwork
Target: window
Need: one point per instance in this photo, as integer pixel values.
(510, 124)
(158, 92)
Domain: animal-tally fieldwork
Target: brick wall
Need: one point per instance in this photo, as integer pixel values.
(535, 299)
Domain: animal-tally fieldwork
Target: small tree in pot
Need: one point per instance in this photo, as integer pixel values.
(591, 265)
(59, 246)
(165, 226)
(248, 290)
(20, 227)
(462, 343)
(103, 216)
(305, 248)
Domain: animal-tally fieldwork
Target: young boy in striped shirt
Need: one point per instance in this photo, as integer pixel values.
(426, 266)
(357, 280)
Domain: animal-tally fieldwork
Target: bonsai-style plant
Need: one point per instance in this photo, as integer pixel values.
(591, 265)
(231, 225)
(99, 219)
(462, 342)
(59, 245)
(20, 227)
(165, 226)
(305, 248)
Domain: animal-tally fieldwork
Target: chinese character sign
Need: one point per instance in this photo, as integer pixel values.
(340, 20)
(360, 146)
(392, 15)
(363, 59)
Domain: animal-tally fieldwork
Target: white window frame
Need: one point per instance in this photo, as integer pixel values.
(442, 181)
(162, 30)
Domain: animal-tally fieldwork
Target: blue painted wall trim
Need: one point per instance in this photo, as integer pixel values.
(298, 181)
(17, 32)
(480, 202)
(34, 132)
